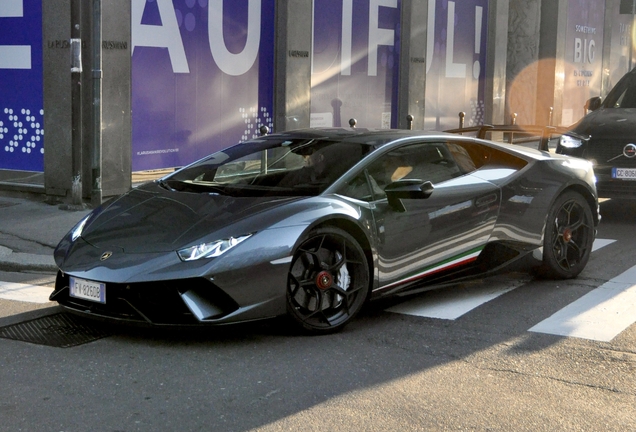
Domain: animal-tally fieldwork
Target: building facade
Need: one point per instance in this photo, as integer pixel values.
(165, 82)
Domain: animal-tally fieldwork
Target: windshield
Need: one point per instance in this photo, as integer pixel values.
(270, 166)
(624, 94)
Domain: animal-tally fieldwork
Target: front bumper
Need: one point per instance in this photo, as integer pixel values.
(194, 301)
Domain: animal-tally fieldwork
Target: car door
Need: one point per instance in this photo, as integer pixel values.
(428, 235)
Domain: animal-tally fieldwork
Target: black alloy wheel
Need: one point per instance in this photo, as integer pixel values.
(328, 281)
(569, 236)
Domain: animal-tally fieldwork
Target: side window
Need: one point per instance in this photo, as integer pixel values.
(427, 162)
(432, 162)
(469, 157)
(623, 94)
(362, 187)
(627, 99)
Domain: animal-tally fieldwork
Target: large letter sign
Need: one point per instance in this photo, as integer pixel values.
(455, 56)
(21, 101)
(202, 77)
(583, 68)
(453, 70)
(378, 36)
(234, 64)
(166, 35)
(14, 56)
(355, 61)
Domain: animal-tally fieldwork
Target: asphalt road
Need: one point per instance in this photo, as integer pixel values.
(460, 359)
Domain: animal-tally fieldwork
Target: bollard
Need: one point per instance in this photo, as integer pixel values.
(550, 116)
(409, 122)
(513, 119)
(462, 116)
(264, 130)
(353, 122)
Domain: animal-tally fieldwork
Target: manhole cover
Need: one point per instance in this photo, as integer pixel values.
(60, 330)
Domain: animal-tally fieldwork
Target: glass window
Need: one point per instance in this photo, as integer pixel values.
(297, 167)
(432, 162)
(623, 95)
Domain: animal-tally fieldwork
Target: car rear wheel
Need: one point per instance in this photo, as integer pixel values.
(328, 281)
(569, 235)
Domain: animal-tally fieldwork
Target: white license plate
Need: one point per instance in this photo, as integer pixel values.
(87, 290)
(624, 173)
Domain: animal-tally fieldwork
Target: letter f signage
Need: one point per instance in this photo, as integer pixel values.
(14, 56)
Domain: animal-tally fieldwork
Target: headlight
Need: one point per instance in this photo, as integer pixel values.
(568, 141)
(212, 249)
(76, 232)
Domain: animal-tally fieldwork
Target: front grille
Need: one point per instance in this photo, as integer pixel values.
(609, 153)
(147, 302)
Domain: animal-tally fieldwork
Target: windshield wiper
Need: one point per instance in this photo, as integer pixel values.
(164, 184)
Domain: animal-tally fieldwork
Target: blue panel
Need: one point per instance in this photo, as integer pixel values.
(21, 101)
(456, 63)
(355, 66)
(180, 116)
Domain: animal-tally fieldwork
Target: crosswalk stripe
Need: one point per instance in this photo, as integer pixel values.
(600, 243)
(599, 315)
(451, 304)
(24, 292)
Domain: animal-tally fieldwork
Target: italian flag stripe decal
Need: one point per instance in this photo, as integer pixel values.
(456, 261)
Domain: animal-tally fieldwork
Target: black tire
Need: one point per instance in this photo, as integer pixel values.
(328, 281)
(569, 235)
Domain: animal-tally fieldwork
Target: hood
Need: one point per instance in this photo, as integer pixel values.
(152, 219)
(608, 123)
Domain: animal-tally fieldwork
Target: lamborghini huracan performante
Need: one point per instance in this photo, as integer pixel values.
(314, 223)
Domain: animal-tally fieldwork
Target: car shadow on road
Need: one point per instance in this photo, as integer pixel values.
(265, 375)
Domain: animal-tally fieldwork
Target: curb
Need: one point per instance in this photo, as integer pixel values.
(16, 261)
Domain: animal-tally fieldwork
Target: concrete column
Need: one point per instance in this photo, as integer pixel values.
(56, 18)
(116, 98)
(412, 78)
(524, 19)
(292, 103)
(496, 61)
(551, 70)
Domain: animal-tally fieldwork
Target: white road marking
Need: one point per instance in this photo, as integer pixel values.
(599, 243)
(24, 292)
(450, 303)
(599, 315)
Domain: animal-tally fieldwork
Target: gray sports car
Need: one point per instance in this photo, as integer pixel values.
(314, 223)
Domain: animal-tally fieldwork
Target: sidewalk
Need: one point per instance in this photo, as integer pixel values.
(29, 232)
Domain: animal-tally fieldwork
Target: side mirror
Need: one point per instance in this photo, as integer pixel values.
(593, 104)
(407, 189)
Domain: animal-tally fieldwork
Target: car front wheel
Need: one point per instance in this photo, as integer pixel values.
(328, 281)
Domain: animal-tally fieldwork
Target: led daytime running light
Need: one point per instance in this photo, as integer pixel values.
(212, 249)
(570, 142)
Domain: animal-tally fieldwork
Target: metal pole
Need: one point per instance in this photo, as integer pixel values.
(409, 122)
(76, 101)
(96, 65)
